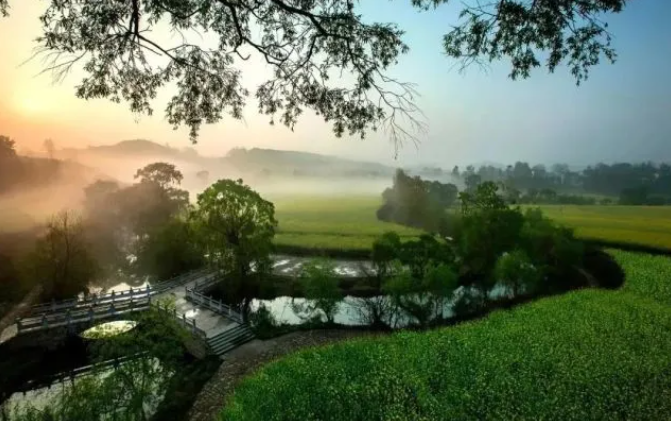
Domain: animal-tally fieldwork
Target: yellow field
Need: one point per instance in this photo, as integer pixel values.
(350, 222)
(640, 225)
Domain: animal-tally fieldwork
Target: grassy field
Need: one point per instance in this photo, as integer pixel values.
(347, 222)
(641, 225)
(590, 354)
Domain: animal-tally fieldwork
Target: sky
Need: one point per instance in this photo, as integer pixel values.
(622, 113)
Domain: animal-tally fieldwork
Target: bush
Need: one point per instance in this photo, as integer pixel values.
(516, 272)
(263, 323)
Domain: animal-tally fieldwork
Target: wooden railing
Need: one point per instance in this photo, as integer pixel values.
(216, 306)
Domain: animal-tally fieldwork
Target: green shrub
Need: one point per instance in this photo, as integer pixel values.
(262, 322)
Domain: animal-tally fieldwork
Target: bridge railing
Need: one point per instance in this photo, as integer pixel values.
(216, 306)
(210, 280)
(114, 296)
(73, 317)
(190, 324)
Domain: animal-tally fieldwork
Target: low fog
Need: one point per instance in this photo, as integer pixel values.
(30, 204)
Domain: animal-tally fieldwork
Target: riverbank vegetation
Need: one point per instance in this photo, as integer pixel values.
(525, 364)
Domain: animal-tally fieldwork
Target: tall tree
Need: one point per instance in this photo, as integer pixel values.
(62, 259)
(236, 226)
(7, 147)
(49, 148)
(303, 42)
(164, 174)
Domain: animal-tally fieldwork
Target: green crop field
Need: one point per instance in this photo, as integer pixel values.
(349, 222)
(590, 354)
(346, 222)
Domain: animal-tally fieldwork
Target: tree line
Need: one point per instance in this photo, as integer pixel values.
(630, 183)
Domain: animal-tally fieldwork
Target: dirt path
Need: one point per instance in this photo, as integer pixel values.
(249, 357)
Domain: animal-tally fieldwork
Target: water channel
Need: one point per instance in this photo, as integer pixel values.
(351, 311)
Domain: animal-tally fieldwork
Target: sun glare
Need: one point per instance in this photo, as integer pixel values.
(31, 105)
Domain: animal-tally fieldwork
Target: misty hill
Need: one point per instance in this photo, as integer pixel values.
(238, 162)
(302, 164)
(136, 148)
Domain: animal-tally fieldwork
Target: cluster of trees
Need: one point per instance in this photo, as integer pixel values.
(498, 252)
(149, 228)
(417, 203)
(637, 184)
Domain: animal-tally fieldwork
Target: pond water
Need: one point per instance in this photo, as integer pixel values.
(353, 311)
(282, 265)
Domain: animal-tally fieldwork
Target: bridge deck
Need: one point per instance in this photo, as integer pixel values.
(207, 320)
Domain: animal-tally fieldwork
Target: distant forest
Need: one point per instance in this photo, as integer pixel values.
(628, 183)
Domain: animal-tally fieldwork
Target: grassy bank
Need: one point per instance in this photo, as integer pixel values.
(589, 354)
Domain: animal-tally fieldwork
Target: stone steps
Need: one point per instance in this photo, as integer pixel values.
(230, 339)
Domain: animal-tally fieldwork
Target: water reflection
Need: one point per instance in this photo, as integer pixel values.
(356, 311)
(109, 329)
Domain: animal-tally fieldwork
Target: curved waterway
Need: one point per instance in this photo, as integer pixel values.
(282, 265)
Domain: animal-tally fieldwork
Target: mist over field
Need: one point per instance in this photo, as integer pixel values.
(57, 183)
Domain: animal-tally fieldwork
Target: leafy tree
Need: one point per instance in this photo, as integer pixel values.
(303, 42)
(167, 177)
(236, 227)
(422, 298)
(417, 203)
(164, 174)
(171, 250)
(553, 250)
(62, 259)
(7, 148)
(487, 229)
(319, 283)
(515, 271)
(385, 250)
(472, 181)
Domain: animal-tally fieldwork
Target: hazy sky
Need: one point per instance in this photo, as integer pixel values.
(623, 112)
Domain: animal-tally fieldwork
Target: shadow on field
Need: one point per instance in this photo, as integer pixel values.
(603, 267)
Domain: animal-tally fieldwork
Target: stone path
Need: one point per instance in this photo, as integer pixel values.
(207, 320)
(246, 359)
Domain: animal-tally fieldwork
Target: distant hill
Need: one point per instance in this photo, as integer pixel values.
(137, 148)
(296, 163)
(241, 161)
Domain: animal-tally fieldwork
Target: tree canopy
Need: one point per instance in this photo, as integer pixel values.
(305, 43)
(236, 227)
